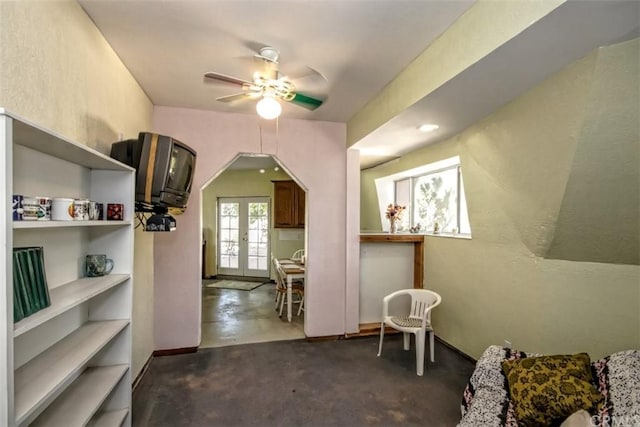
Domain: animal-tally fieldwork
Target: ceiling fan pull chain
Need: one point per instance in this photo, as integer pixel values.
(260, 129)
(277, 134)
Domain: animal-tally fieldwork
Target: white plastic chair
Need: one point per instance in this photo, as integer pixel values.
(417, 322)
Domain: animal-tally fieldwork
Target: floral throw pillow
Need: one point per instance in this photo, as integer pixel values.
(548, 389)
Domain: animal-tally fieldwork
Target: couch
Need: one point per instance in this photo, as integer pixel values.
(615, 379)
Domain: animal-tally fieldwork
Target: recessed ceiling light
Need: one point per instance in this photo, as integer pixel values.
(276, 169)
(261, 170)
(428, 127)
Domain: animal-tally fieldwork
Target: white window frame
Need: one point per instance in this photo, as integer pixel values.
(386, 190)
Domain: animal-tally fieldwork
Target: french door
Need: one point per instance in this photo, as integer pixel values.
(243, 236)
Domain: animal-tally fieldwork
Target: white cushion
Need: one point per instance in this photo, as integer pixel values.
(578, 419)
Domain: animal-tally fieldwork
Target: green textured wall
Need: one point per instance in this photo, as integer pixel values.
(485, 26)
(520, 169)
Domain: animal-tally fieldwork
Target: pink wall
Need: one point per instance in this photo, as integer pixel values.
(314, 152)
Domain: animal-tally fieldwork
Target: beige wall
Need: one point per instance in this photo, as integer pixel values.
(242, 183)
(143, 301)
(57, 70)
(517, 165)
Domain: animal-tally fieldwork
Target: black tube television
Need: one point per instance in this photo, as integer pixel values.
(165, 169)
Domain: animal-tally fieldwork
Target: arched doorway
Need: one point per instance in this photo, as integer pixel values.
(238, 290)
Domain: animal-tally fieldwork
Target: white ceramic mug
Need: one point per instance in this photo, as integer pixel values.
(62, 209)
(94, 213)
(81, 209)
(45, 205)
(31, 209)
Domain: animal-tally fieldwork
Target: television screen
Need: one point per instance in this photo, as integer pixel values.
(180, 169)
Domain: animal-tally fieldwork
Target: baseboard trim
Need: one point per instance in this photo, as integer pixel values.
(460, 352)
(141, 374)
(174, 351)
(241, 278)
(370, 329)
(324, 338)
(159, 353)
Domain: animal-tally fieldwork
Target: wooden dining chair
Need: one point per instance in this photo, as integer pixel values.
(298, 255)
(297, 290)
(279, 285)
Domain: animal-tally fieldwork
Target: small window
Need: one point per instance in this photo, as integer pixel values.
(438, 202)
(433, 194)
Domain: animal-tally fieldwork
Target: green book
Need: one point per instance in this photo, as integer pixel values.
(18, 313)
(32, 282)
(43, 286)
(19, 284)
(31, 260)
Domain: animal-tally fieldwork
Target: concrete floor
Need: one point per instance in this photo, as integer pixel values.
(231, 317)
(293, 383)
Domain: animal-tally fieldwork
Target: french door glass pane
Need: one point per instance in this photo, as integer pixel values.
(229, 235)
(258, 236)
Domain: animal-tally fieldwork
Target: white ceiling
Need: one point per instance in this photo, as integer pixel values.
(358, 45)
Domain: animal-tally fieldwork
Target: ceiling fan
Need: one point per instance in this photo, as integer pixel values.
(268, 86)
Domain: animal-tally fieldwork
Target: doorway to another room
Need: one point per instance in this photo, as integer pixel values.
(240, 236)
(243, 236)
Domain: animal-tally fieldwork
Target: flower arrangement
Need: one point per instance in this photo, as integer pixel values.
(394, 212)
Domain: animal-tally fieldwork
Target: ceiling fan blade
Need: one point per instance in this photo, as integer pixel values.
(227, 79)
(307, 101)
(237, 97)
(306, 72)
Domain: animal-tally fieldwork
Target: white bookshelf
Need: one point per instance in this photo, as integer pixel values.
(50, 372)
(68, 364)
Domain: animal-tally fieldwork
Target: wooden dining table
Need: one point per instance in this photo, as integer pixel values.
(294, 270)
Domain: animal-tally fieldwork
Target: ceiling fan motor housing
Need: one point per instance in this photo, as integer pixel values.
(269, 53)
(281, 88)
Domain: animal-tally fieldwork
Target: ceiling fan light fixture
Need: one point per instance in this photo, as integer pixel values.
(268, 108)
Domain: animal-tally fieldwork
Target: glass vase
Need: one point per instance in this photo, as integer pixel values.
(393, 226)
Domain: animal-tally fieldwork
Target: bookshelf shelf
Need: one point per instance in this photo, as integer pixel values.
(66, 297)
(68, 363)
(77, 405)
(66, 224)
(109, 419)
(44, 377)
